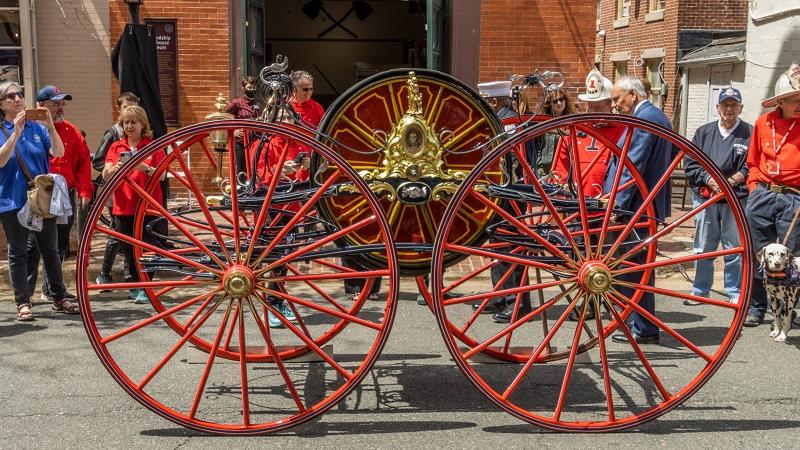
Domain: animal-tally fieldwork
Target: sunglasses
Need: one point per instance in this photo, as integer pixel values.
(559, 100)
(309, 89)
(13, 95)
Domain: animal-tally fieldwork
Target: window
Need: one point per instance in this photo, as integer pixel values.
(17, 60)
(623, 8)
(654, 77)
(657, 5)
(620, 69)
(598, 15)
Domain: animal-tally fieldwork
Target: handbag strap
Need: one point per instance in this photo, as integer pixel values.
(22, 165)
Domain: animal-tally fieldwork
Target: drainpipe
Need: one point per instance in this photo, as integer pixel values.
(684, 100)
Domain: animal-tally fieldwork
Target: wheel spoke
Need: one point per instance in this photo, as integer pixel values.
(323, 309)
(548, 203)
(601, 338)
(319, 243)
(308, 341)
(570, 362)
(189, 333)
(647, 202)
(636, 348)
(679, 260)
(523, 228)
(521, 321)
(612, 198)
(624, 301)
(680, 221)
(500, 256)
(576, 170)
(212, 355)
(265, 332)
(318, 290)
(243, 366)
(544, 344)
(209, 296)
(297, 217)
(510, 291)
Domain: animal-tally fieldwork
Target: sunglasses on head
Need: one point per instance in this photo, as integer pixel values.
(13, 95)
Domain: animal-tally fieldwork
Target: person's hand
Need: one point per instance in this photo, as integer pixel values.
(304, 164)
(713, 186)
(19, 123)
(238, 134)
(289, 167)
(143, 167)
(48, 119)
(85, 202)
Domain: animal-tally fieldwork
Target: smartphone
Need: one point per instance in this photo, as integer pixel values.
(35, 114)
(300, 157)
(124, 157)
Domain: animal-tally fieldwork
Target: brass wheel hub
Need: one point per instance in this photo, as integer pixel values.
(595, 277)
(239, 281)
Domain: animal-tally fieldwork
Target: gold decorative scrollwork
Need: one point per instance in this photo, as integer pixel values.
(413, 149)
(442, 191)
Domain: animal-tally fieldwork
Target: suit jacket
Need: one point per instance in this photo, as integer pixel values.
(651, 155)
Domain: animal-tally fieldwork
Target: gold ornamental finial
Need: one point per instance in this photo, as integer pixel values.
(220, 104)
(414, 97)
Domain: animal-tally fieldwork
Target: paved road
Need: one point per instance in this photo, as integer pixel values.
(56, 394)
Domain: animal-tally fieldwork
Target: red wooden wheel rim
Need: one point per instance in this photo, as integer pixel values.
(136, 375)
(660, 389)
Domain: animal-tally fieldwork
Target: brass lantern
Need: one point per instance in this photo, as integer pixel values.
(219, 137)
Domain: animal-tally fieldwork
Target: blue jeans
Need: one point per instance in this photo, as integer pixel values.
(714, 225)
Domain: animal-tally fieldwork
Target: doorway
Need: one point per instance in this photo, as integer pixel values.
(341, 42)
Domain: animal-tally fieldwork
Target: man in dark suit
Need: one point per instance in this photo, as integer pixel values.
(651, 156)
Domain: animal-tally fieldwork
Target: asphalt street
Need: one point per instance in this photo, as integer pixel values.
(56, 394)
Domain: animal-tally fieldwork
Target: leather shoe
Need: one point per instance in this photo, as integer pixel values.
(639, 339)
(753, 321)
(491, 308)
(505, 315)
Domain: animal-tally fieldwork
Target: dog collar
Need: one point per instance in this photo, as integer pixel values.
(790, 277)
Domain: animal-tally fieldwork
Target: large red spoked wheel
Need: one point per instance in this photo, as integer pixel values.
(212, 344)
(575, 271)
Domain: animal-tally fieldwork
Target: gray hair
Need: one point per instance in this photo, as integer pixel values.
(5, 86)
(298, 75)
(628, 83)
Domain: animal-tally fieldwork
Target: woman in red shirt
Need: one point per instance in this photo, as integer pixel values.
(136, 134)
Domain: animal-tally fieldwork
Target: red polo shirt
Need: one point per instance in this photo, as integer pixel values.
(75, 166)
(761, 157)
(125, 198)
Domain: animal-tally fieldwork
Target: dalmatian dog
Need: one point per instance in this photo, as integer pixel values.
(781, 275)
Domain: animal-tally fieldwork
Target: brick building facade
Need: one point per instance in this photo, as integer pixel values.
(646, 39)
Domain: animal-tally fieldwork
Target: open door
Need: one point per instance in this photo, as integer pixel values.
(437, 34)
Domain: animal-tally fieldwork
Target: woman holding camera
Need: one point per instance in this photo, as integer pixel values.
(26, 146)
(136, 134)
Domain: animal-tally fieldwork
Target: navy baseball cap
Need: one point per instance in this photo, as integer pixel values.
(51, 92)
(730, 92)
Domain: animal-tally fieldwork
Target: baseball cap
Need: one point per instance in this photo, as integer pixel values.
(51, 92)
(730, 92)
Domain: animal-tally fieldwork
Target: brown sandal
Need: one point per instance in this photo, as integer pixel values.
(65, 306)
(24, 313)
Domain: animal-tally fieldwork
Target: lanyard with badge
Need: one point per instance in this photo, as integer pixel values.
(774, 167)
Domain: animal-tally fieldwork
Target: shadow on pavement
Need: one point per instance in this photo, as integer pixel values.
(315, 429)
(660, 426)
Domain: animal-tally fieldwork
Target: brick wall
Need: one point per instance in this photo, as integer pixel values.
(520, 36)
(203, 57)
(713, 15)
(638, 35)
(73, 54)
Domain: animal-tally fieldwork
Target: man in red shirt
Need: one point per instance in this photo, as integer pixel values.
(75, 166)
(774, 179)
(309, 110)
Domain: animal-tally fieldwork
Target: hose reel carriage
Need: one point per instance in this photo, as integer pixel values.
(411, 174)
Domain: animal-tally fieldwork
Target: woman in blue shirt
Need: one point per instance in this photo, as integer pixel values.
(33, 143)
